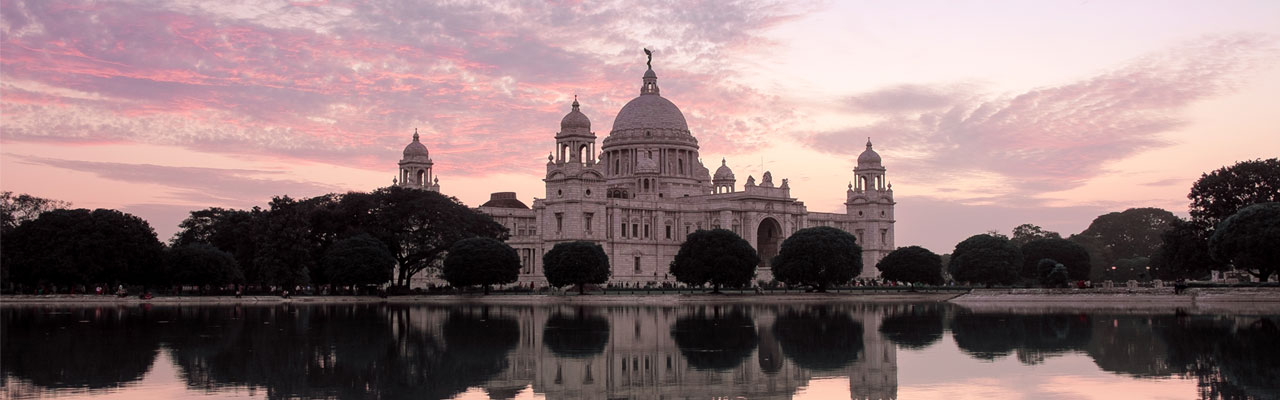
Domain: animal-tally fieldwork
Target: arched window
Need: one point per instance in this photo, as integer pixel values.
(422, 177)
(680, 164)
(862, 182)
(646, 185)
(582, 154)
(616, 164)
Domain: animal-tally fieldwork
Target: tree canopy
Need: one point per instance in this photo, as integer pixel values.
(1184, 253)
(717, 257)
(818, 257)
(1221, 193)
(1022, 234)
(358, 260)
(202, 264)
(67, 247)
(912, 264)
(576, 263)
(986, 259)
(1130, 233)
(1070, 254)
(1250, 240)
(481, 261)
(18, 209)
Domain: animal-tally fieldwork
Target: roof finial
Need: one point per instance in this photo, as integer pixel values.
(415, 134)
(723, 162)
(868, 142)
(649, 54)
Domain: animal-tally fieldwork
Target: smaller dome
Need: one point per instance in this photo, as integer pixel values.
(723, 173)
(416, 149)
(647, 164)
(575, 119)
(869, 156)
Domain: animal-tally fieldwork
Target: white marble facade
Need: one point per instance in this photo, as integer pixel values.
(645, 188)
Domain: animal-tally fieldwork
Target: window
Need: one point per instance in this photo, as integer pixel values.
(559, 222)
(587, 219)
(884, 236)
(637, 264)
(646, 231)
(668, 232)
(681, 164)
(624, 229)
(635, 230)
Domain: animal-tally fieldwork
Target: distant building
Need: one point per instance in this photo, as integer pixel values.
(646, 188)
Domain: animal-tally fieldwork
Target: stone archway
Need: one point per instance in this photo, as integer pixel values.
(768, 238)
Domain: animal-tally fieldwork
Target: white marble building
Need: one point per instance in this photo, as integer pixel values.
(645, 188)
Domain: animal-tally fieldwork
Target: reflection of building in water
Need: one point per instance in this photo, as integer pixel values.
(645, 188)
(640, 359)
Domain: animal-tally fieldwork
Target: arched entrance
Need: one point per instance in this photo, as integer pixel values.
(768, 237)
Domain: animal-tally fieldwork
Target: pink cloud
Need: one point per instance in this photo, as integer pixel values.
(1052, 138)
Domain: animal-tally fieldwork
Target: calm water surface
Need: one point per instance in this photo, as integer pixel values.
(817, 351)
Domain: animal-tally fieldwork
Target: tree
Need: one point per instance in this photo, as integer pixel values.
(419, 226)
(481, 261)
(1128, 234)
(1053, 273)
(717, 257)
(986, 259)
(1070, 254)
(16, 210)
(202, 264)
(1221, 193)
(358, 260)
(1250, 240)
(1022, 234)
(1184, 253)
(283, 255)
(232, 231)
(576, 263)
(912, 264)
(818, 257)
(67, 247)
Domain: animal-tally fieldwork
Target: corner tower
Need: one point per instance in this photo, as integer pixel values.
(415, 167)
(870, 204)
(574, 206)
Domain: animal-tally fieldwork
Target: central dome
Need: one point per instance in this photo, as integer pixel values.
(650, 111)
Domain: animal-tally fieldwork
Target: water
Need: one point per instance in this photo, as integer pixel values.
(814, 351)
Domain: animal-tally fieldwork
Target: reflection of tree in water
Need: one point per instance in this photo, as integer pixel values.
(1232, 357)
(1125, 344)
(577, 335)
(917, 327)
(715, 339)
(819, 338)
(346, 351)
(988, 336)
(54, 349)
(770, 354)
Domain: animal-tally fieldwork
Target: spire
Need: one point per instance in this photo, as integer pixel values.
(415, 134)
(650, 78)
(723, 163)
(868, 143)
(575, 102)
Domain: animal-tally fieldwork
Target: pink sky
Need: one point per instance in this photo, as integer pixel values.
(987, 114)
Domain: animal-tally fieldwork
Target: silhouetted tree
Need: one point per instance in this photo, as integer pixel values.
(1070, 254)
(912, 264)
(717, 257)
(481, 261)
(1055, 274)
(67, 247)
(1022, 234)
(1250, 240)
(1223, 192)
(202, 264)
(818, 257)
(419, 226)
(1131, 233)
(715, 339)
(985, 259)
(116, 345)
(232, 231)
(576, 263)
(358, 260)
(1184, 253)
(284, 253)
(16, 210)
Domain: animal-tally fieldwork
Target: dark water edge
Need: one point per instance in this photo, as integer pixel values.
(756, 350)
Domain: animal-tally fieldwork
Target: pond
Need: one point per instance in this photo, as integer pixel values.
(852, 350)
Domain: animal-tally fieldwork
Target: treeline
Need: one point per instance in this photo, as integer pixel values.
(1235, 212)
(337, 239)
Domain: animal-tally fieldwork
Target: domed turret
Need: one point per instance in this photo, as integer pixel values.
(416, 151)
(869, 157)
(575, 120)
(723, 181)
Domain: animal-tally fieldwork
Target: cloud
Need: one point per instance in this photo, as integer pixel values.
(194, 185)
(347, 83)
(1052, 138)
